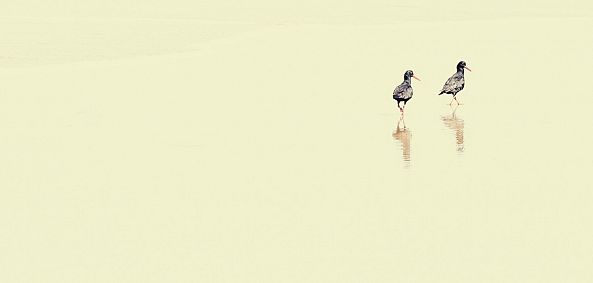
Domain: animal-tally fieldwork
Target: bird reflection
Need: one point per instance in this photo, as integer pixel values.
(456, 124)
(403, 136)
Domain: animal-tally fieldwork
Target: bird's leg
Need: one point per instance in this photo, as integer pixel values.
(456, 100)
(400, 108)
(451, 101)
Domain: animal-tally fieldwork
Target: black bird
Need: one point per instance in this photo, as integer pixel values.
(403, 92)
(456, 82)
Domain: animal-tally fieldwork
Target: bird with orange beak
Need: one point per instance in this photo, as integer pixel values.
(456, 82)
(404, 92)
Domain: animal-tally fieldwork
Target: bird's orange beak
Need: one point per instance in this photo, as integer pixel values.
(415, 77)
(468, 69)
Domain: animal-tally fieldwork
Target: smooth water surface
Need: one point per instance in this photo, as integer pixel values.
(241, 145)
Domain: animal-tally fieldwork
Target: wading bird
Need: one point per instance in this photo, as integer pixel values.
(456, 82)
(404, 92)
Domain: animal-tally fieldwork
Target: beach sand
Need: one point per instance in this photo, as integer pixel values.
(258, 142)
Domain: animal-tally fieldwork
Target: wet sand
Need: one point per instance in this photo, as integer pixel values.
(264, 147)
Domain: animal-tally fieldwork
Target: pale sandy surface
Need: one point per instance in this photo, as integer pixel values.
(253, 142)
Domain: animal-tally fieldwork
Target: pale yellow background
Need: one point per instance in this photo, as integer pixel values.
(251, 141)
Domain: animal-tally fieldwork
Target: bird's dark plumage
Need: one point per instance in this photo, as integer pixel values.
(404, 91)
(456, 82)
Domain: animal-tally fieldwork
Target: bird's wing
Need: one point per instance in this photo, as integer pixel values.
(453, 84)
(407, 92)
(399, 90)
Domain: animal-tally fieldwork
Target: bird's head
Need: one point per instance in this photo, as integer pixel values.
(461, 65)
(409, 74)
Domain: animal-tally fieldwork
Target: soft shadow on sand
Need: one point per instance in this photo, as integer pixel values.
(456, 124)
(403, 134)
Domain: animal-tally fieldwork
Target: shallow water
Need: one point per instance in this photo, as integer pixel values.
(238, 148)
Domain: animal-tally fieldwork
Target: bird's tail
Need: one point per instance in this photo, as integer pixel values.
(441, 92)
